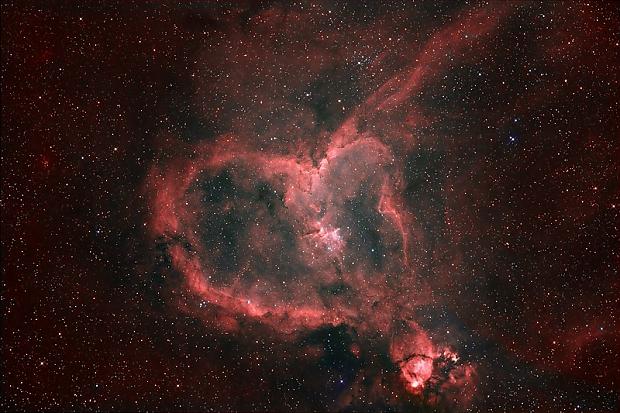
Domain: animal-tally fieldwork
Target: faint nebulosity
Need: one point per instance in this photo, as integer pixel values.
(311, 206)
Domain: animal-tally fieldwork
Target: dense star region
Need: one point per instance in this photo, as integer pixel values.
(311, 206)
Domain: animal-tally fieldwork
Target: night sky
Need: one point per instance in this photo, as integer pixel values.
(310, 206)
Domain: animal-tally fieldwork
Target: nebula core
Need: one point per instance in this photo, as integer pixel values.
(311, 206)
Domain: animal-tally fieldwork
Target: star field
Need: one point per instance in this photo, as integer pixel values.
(310, 206)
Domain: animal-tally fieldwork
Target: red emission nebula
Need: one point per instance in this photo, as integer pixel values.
(300, 238)
(330, 206)
(298, 211)
(316, 231)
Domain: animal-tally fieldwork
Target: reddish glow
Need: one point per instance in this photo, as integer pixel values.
(374, 288)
